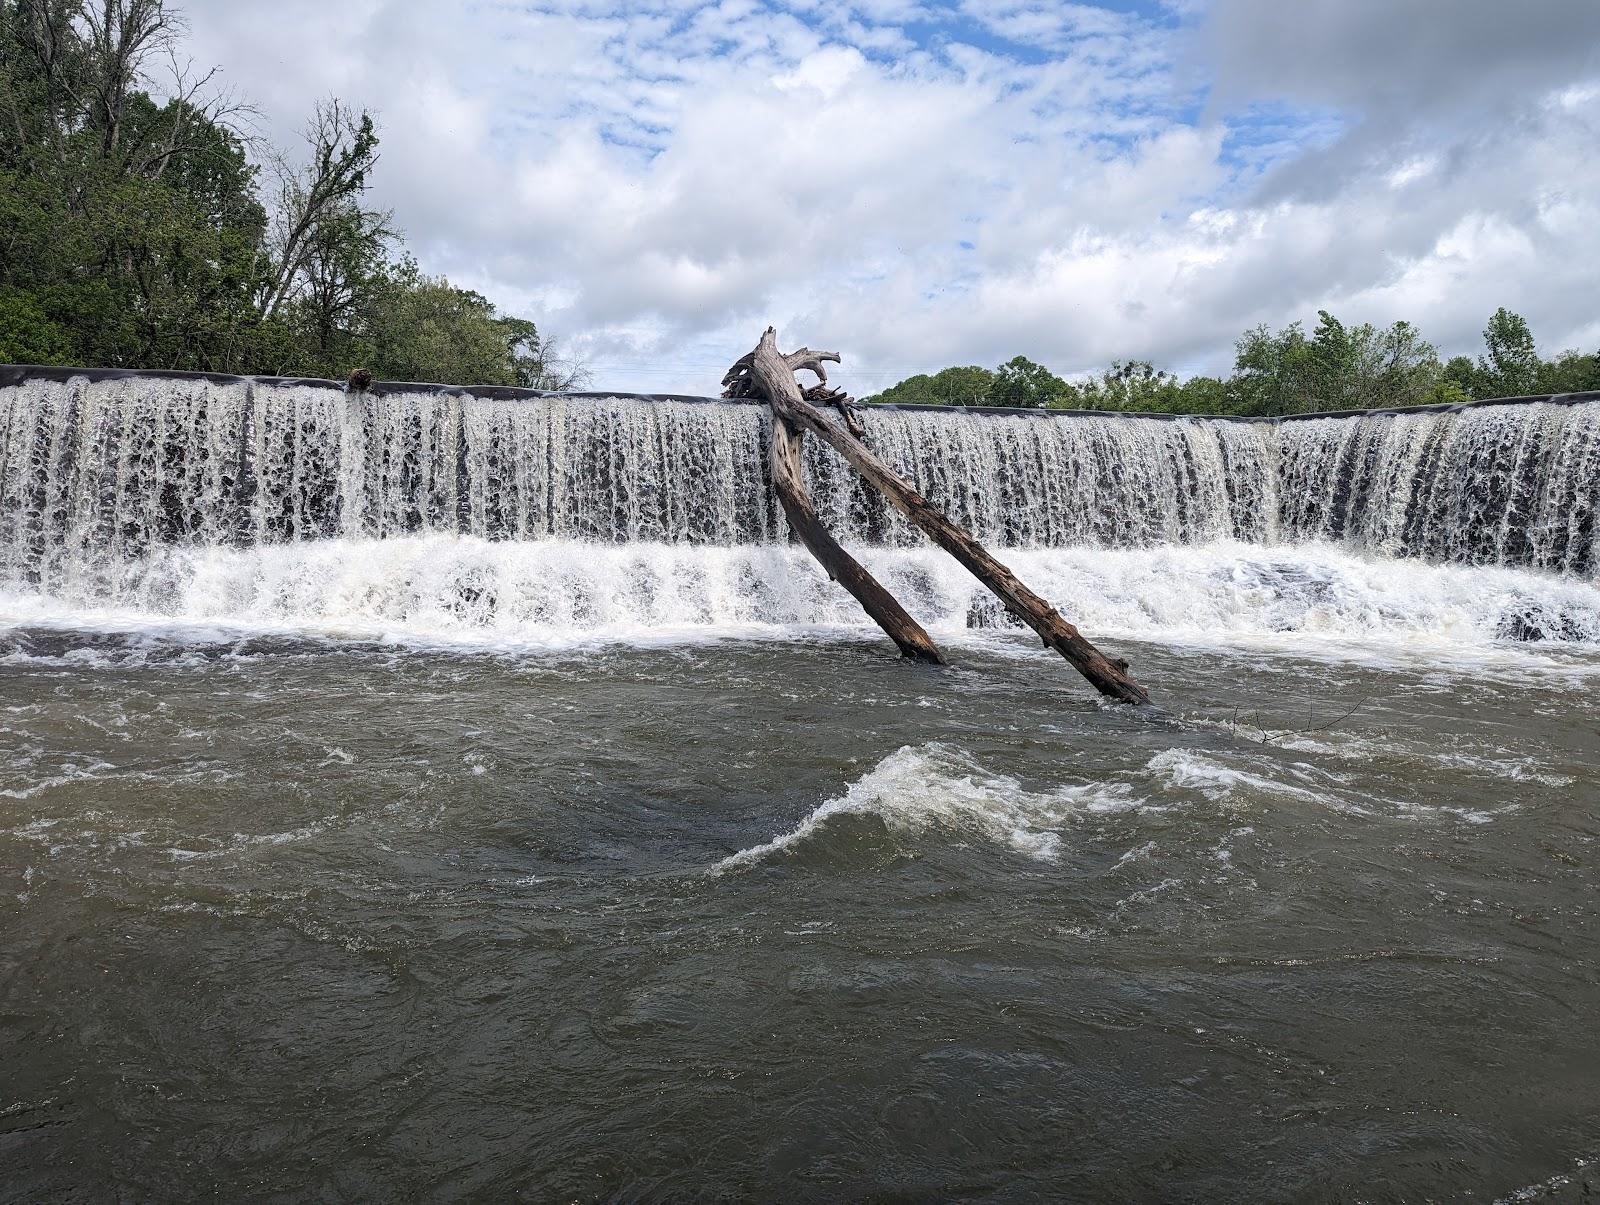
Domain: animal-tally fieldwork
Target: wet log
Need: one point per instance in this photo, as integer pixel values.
(769, 374)
(787, 479)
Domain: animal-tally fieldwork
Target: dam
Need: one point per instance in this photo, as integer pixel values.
(494, 510)
(453, 793)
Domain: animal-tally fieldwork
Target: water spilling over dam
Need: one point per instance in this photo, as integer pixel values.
(488, 513)
(116, 465)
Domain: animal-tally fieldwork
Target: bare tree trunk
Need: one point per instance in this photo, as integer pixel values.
(768, 373)
(787, 479)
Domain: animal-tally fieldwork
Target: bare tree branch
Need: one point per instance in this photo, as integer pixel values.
(343, 151)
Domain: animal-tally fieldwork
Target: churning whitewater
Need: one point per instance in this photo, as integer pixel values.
(554, 594)
(441, 515)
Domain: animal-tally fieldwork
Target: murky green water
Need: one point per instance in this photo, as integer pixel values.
(316, 922)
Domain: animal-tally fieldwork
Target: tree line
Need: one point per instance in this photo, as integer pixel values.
(1334, 367)
(143, 223)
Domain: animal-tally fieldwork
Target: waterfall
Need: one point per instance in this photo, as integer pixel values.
(112, 484)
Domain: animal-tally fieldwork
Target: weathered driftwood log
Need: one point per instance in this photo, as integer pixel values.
(769, 374)
(788, 480)
(913, 641)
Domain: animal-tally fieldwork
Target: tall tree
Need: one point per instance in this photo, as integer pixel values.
(1130, 385)
(425, 329)
(537, 361)
(1570, 372)
(318, 202)
(1510, 363)
(1272, 373)
(1022, 383)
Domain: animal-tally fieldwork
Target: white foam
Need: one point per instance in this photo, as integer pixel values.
(1238, 780)
(1187, 769)
(1317, 601)
(918, 789)
(1353, 746)
(70, 774)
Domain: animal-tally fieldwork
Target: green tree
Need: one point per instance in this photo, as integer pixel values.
(1570, 372)
(1021, 383)
(133, 232)
(1202, 395)
(1337, 367)
(537, 362)
(1459, 378)
(968, 385)
(27, 335)
(1272, 373)
(319, 232)
(343, 277)
(1130, 385)
(425, 329)
(1510, 365)
(1392, 366)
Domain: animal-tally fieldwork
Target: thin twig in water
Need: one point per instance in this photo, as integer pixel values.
(1266, 736)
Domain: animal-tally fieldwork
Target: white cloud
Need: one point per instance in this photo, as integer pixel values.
(910, 185)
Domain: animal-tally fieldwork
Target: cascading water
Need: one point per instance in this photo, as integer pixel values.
(200, 498)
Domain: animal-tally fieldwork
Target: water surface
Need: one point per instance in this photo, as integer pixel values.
(292, 917)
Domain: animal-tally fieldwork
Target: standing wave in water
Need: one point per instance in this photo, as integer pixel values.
(917, 789)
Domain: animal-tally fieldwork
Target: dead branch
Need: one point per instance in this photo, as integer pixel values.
(768, 374)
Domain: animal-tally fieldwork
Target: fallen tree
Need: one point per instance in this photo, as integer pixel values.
(768, 374)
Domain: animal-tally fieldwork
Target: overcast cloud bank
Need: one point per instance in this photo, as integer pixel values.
(920, 184)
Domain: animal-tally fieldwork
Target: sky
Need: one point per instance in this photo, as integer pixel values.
(918, 183)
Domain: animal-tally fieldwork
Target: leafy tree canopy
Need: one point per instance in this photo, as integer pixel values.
(1021, 383)
(1335, 367)
(965, 386)
(153, 233)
